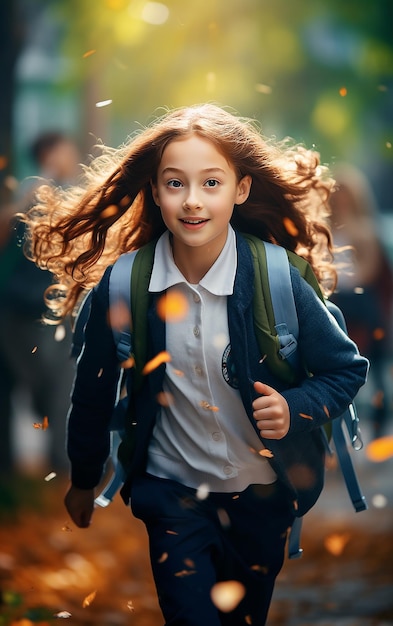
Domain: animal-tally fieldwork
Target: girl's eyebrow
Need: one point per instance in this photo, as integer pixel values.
(207, 170)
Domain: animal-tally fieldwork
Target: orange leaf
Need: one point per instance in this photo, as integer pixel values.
(172, 307)
(290, 227)
(227, 595)
(162, 357)
(267, 453)
(307, 417)
(89, 599)
(380, 449)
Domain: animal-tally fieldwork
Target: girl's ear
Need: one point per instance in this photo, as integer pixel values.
(154, 192)
(243, 189)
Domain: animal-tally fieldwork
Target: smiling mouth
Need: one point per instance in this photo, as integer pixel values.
(189, 221)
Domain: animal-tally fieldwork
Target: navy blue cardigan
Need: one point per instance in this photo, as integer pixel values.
(338, 371)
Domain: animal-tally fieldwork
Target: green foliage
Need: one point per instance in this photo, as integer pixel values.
(320, 72)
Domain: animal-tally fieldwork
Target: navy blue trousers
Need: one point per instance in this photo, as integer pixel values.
(196, 543)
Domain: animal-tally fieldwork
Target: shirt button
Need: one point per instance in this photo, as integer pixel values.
(216, 436)
(196, 298)
(198, 370)
(196, 331)
(227, 470)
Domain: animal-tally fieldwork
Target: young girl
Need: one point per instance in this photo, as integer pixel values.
(216, 507)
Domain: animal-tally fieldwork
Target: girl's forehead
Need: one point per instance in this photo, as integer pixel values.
(193, 147)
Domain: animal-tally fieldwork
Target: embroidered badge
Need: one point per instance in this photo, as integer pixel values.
(228, 368)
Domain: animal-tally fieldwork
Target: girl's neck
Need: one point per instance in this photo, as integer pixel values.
(194, 263)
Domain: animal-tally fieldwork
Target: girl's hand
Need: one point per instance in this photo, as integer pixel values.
(80, 505)
(271, 412)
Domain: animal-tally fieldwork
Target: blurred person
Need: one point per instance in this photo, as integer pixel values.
(195, 180)
(364, 289)
(35, 363)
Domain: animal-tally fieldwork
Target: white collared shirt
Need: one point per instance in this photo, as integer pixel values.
(203, 434)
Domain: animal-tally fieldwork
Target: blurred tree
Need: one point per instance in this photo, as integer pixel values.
(10, 43)
(321, 72)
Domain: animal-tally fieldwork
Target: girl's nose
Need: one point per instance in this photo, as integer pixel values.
(192, 205)
(192, 202)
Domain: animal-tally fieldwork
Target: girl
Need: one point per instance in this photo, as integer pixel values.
(215, 509)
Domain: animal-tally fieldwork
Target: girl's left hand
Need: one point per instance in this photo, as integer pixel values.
(271, 412)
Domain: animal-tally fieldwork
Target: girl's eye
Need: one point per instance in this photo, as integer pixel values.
(212, 182)
(174, 183)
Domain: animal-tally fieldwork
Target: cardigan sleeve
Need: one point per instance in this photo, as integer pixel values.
(94, 394)
(337, 370)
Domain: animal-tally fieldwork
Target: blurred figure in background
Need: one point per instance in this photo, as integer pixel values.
(35, 361)
(365, 282)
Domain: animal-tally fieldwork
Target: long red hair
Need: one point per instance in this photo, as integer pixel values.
(77, 232)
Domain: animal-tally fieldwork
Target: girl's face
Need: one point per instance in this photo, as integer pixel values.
(196, 190)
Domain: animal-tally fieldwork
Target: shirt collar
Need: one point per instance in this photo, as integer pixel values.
(219, 280)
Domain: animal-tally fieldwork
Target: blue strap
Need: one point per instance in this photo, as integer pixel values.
(120, 294)
(294, 551)
(287, 327)
(285, 315)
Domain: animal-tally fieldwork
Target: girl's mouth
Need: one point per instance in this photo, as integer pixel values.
(191, 222)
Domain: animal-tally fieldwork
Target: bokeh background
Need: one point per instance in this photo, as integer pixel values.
(320, 72)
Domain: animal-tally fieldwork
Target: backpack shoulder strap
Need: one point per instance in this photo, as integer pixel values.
(283, 302)
(119, 301)
(128, 290)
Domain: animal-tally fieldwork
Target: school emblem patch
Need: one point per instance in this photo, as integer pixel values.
(228, 368)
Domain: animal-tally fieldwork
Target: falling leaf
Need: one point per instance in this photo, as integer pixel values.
(88, 54)
(184, 572)
(226, 595)
(172, 306)
(379, 501)
(343, 92)
(380, 449)
(260, 568)
(60, 333)
(208, 407)
(62, 614)
(171, 532)
(34, 350)
(163, 557)
(263, 358)
(203, 491)
(178, 373)
(128, 363)
(119, 315)
(3, 162)
(388, 144)
(326, 410)
(159, 359)
(89, 599)
(110, 211)
(164, 398)
(377, 400)
(378, 334)
(66, 528)
(103, 103)
(189, 563)
(43, 426)
(50, 476)
(267, 453)
(305, 416)
(100, 372)
(265, 89)
(130, 606)
(336, 542)
(248, 619)
(290, 227)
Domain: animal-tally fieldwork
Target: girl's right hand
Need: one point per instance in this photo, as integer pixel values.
(80, 505)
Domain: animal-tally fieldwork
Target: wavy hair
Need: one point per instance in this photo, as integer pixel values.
(76, 233)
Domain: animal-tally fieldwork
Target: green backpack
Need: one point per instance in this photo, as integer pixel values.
(276, 328)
